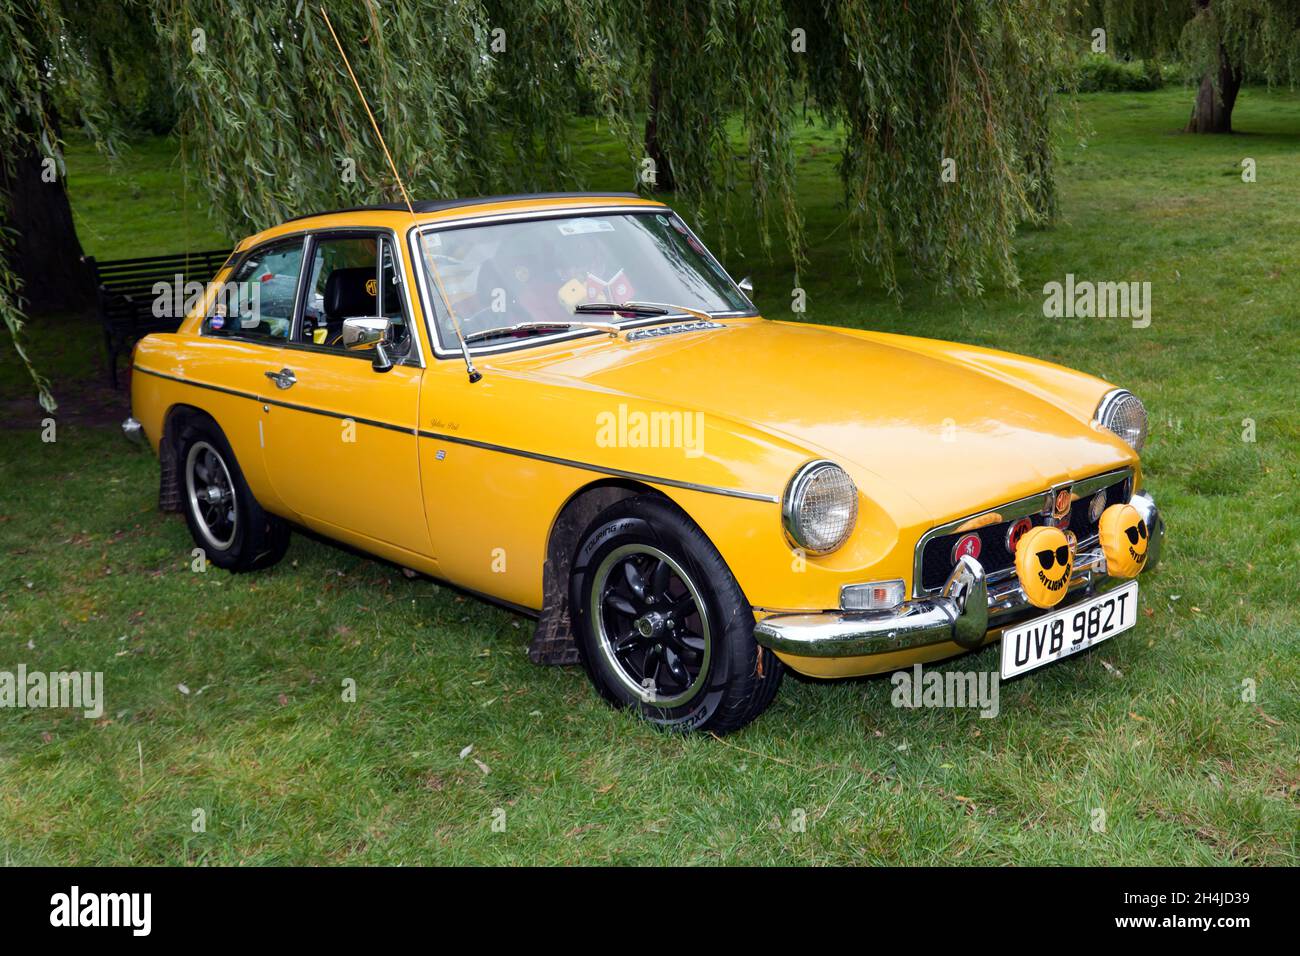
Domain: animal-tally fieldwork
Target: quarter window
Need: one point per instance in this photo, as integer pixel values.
(266, 286)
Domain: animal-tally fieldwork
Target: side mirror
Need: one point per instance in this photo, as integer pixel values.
(746, 286)
(364, 332)
(369, 332)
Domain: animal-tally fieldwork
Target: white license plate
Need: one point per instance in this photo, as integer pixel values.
(1062, 633)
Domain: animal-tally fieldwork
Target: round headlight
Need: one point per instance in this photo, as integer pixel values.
(820, 507)
(1123, 413)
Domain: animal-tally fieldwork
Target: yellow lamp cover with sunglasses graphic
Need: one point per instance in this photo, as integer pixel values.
(1124, 539)
(1044, 562)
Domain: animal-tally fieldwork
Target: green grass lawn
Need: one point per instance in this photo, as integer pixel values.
(1150, 728)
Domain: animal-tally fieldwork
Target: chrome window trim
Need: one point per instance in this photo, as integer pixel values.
(1013, 510)
(308, 237)
(428, 301)
(342, 232)
(240, 257)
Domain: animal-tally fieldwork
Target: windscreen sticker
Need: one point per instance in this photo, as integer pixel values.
(578, 227)
(616, 289)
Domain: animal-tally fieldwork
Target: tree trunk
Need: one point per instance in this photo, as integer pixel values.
(46, 252)
(1217, 95)
(664, 181)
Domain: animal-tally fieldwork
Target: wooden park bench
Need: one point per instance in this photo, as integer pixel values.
(125, 292)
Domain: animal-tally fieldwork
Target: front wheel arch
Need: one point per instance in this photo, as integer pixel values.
(740, 677)
(553, 639)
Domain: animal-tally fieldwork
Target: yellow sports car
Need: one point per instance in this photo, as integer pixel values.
(565, 404)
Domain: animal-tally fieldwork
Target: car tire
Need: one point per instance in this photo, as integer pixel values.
(224, 518)
(661, 624)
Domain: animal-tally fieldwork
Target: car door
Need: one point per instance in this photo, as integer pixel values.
(341, 446)
(246, 324)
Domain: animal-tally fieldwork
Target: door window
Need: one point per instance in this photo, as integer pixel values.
(354, 277)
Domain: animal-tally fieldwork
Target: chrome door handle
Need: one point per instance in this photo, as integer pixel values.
(283, 378)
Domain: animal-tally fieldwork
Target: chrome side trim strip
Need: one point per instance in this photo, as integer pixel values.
(267, 400)
(189, 381)
(474, 443)
(603, 470)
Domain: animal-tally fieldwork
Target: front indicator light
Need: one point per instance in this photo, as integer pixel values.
(875, 596)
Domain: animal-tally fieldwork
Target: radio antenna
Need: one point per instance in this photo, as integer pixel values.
(430, 268)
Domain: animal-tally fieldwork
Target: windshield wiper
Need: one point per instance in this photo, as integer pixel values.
(541, 327)
(640, 308)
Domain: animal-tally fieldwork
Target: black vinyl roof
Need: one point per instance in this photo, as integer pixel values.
(438, 205)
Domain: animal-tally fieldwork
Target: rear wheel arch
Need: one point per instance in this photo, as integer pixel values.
(174, 421)
(223, 515)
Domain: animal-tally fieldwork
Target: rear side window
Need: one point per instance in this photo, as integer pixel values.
(266, 287)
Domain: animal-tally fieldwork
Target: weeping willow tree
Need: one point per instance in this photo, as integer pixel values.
(1223, 42)
(946, 107)
(943, 107)
(51, 58)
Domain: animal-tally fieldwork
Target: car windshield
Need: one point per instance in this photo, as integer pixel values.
(539, 270)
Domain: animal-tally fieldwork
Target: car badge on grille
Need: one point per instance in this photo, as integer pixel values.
(1016, 532)
(967, 546)
(1056, 505)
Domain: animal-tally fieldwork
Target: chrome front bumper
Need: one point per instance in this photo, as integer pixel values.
(970, 603)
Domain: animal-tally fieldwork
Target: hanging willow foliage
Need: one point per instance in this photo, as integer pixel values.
(919, 83)
(1224, 42)
(1261, 35)
(44, 60)
(477, 96)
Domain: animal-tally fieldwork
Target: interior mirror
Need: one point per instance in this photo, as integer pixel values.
(364, 332)
(746, 286)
